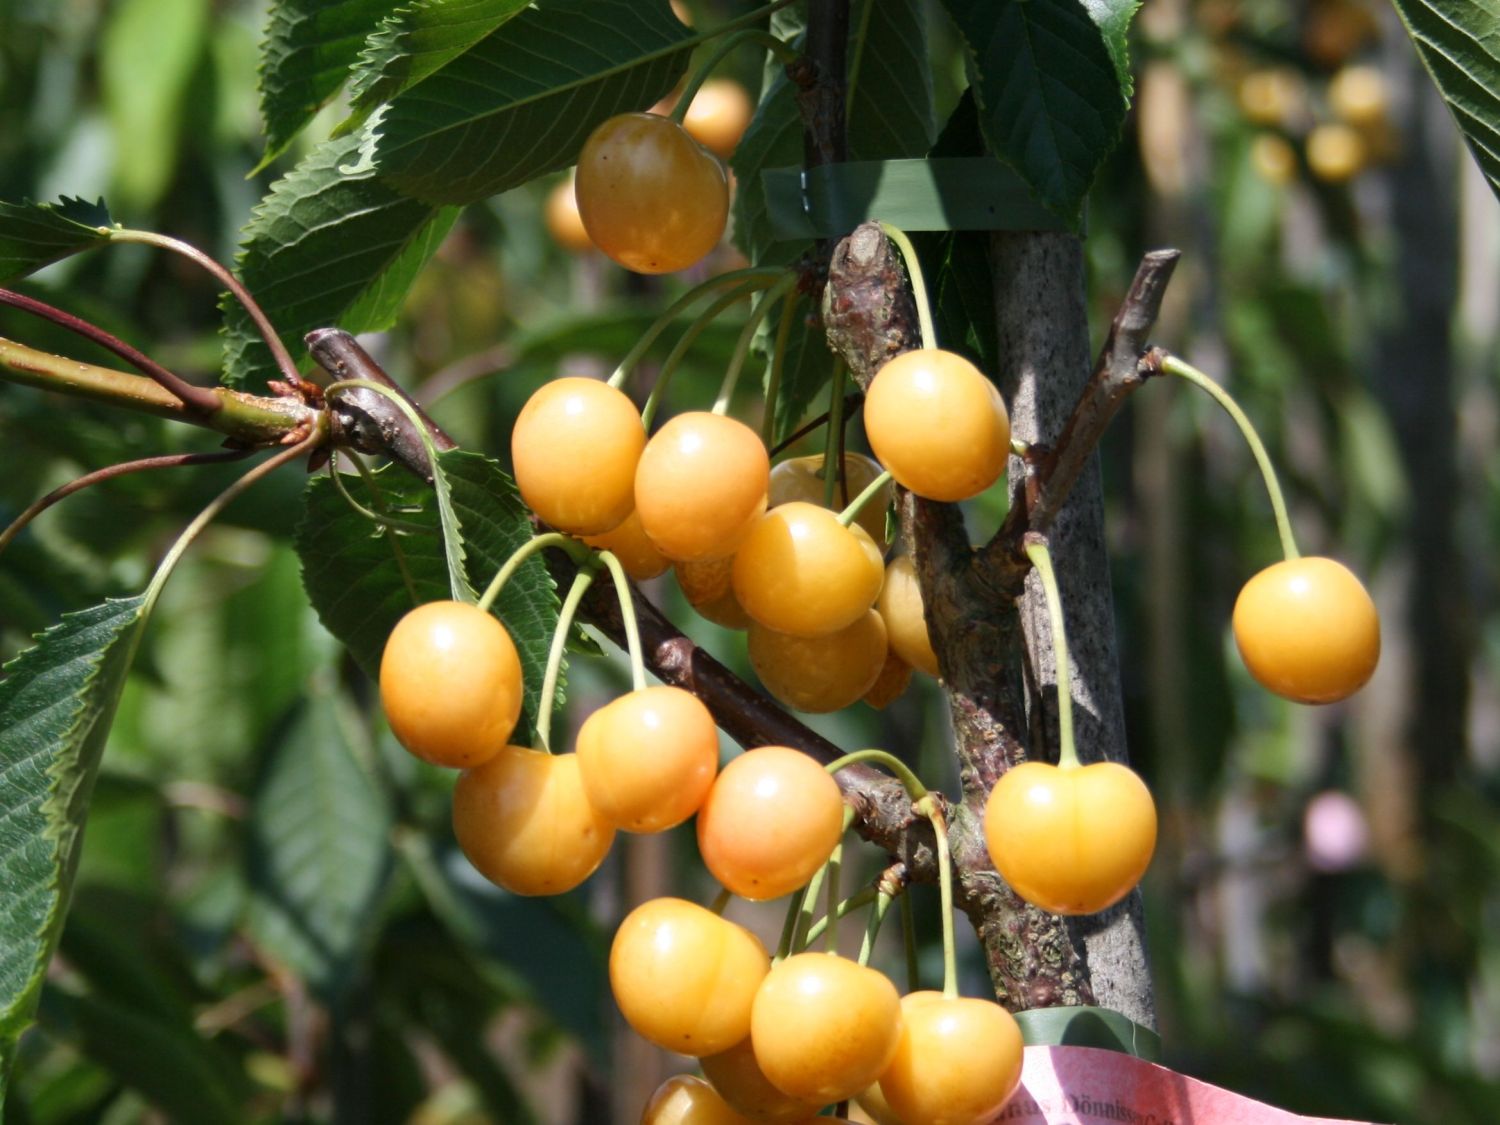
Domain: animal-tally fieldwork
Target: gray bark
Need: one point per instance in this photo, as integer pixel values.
(1045, 360)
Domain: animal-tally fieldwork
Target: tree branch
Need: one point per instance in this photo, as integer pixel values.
(1124, 363)
(245, 419)
(367, 421)
(199, 399)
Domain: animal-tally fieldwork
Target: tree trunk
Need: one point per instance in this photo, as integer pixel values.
(1042, 323)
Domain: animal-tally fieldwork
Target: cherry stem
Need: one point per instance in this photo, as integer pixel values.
(576, 551)
(806, 909)
(848, 906)
(929, 808)
(201, 400)
(833, 467)
(909, 941)
(689, 335)
(783, 51)
(384, 521)
(1172, 365)
(914, 787)
(664, 321)
(721, 901)
(872, 925)
(746, 338)
(546, 704)
(918, 285)
(777, 366)
(849, 514)
(1041, 558)
(314, 439)
(263, 323)
(790, 924)
(403, 404)
(627, 615)
(389, 526)
(835, 870)
(167, 461)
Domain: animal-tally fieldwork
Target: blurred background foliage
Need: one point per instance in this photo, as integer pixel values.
(272, 921)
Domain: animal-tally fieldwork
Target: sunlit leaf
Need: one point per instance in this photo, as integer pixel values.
(33, 235)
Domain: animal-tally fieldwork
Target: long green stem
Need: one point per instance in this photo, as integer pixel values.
(680, 349)
(262, 322)
(1041, 558)
(833, 466)
(664, 321)
(627, 615)
(872, 926)
(777, 367)
(790, 925)
(909, 943)
(575, 549)
(1172, 365)
(746, 338)
(721, 901)
(395, 396)
(808, 908)
(545, 706)
(316, 438)
(374, 517)
(783, 51)
(848, 906)
(913, 785)
(918, 285)
(871, 490)
(929, 809)
(397, 552)
(835, 871)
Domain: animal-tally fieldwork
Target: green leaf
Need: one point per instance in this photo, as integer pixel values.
(420, 38)
(308, 51)
(33, 235)
(185, 1077)
(318, 855)
(1113, 17)
(521, 102)
(805, 375)
(1084, 1026)
(149, 53)
(890, 115)
(1459, 41)
(327, 246)
(362, 580)
(963, 305)
(56, 704)
(538, 948)
(1052, 87)
(459, 586)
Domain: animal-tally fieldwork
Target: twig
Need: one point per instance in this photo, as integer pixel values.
(1124, 363)
(367, 421)
(248, 419)
(199, 399)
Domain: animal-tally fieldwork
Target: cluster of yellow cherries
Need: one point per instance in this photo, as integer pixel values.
(780, 1039)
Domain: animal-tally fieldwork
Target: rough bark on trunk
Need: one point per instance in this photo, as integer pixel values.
(1043, 336)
